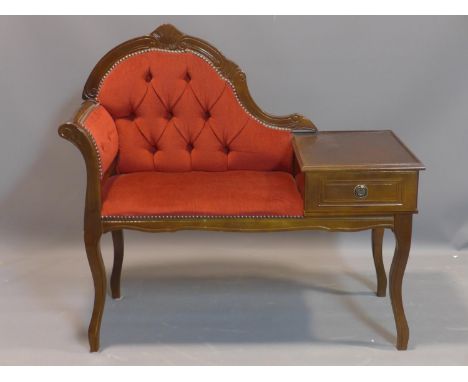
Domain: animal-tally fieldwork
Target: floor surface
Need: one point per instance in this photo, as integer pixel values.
(201, 298)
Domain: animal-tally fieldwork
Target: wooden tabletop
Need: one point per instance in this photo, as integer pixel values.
(356, 150)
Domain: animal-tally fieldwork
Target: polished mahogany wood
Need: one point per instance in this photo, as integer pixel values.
(339, 223)
(169, 37)
(332, 192)
(98, 272)
(118, 240)
(78, 135)
(403, 231)
(365, 173)
(377, 242)
(334, 164)
(353, 150)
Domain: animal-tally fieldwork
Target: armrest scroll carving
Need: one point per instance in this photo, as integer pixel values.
(79, 136)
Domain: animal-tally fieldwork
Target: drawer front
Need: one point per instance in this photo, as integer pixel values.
(361, 191)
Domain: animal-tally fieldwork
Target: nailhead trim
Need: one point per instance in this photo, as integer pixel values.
(93, 141)
(236, 95)
(119, 61)
(136, 218)
(203, 58)
(98, 154)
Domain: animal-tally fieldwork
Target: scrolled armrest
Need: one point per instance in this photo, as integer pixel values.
(101, 129)
(93, 132)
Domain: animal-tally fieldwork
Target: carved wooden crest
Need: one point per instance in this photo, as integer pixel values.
(170, 38)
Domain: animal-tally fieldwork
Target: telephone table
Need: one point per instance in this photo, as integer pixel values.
(355, 180)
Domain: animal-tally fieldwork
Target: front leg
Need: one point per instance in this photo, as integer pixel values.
(402, 230)
(117, 239)
(93, 251)
(377, 242)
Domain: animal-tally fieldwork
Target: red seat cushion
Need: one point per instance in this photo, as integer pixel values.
(228, 193)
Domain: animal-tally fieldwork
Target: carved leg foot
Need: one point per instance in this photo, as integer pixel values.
(402, 230)
(98, 271)
(117, 238)
(377, 240)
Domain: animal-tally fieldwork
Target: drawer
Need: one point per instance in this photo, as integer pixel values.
(360, 191)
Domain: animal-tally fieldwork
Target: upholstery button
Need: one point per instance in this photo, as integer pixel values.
(189, 147)
(131, 116)
(187, 77)
(170, 115)
(153, 149)
(207, 115)
(148, 77)
(226, 150)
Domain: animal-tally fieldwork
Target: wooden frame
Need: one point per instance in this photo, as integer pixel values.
(168, 37)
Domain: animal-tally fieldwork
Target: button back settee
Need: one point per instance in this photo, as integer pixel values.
(173, 140)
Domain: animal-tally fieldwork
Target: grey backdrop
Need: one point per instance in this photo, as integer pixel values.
(408, 74)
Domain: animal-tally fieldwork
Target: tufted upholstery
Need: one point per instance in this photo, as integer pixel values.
(174, 113)
(202, 193)
(102, 128)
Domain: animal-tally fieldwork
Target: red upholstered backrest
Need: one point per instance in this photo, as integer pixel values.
(174, 112)
(102, 128)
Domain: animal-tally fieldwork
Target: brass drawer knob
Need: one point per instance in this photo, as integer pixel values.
(360, 191)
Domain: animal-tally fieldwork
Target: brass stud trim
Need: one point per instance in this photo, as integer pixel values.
(82, 124)
(178, 51)
(138, 218)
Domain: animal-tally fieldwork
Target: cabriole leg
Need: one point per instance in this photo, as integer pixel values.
(93, 251)
(402, 230)
(117, 238)
(377, 241)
